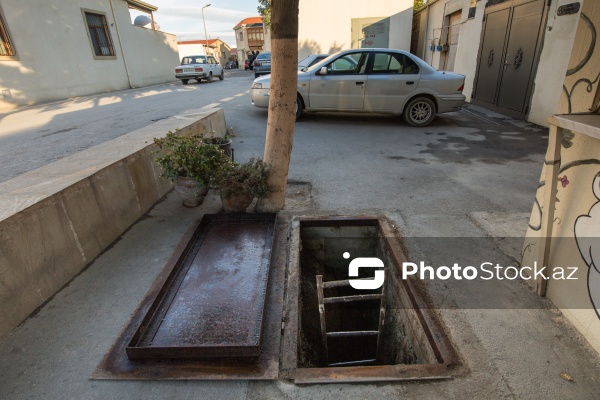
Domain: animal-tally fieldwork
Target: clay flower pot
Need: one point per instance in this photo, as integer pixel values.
(190, 192)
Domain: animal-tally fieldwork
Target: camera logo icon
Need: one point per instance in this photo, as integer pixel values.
(365, 262)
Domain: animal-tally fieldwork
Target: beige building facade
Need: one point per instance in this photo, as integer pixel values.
(331, 26)
(511, 52)
(72, 48)
(564, 227)
(250, 37)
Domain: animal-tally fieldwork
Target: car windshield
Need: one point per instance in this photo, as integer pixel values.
(320, 62)
(193, 60)
(306, 62)
(310, 60)
(264, 56)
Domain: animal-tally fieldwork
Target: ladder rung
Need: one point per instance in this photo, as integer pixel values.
(347, 299)
(352, 333)
(348, 363)
(332, 284)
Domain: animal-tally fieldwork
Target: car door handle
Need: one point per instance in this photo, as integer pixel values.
(410, 83)
(360, 83)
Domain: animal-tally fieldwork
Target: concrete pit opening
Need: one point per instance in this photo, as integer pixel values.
(345, 334)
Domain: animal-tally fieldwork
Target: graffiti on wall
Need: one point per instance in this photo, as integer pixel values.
(587, 234)
(586, 83)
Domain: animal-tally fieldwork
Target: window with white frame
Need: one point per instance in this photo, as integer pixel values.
(99, 34)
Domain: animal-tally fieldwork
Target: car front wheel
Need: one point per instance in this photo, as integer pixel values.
(299, 107)
(420, 111)
(222, 76)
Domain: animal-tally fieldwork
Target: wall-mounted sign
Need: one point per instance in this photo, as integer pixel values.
(567, 9)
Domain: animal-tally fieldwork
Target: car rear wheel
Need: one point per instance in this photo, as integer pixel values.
(420, 111)
(299, 107)
(209, 79)
(184, 81)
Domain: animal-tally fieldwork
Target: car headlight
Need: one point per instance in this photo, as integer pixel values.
(257, 85)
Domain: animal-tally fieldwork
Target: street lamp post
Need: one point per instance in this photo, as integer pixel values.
(205, 35)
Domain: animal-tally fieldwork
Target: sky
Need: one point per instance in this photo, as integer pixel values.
(184, 17)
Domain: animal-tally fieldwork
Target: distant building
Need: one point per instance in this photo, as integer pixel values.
(250, 37)
(328, 27)
(214, 47)
(57, 50)
(334, 25)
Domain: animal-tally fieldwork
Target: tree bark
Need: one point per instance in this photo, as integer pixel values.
(282, 101)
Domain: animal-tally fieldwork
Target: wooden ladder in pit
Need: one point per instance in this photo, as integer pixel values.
(347, 299)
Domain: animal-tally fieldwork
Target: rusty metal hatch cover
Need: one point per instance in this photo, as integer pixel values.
(203, 317)
(212, 304)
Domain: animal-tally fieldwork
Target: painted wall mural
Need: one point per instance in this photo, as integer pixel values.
(576, 225)
(582, 77)
(587, 234)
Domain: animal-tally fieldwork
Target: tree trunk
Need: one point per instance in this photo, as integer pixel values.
(282, 100)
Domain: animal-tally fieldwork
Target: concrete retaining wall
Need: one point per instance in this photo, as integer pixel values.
(57, 219)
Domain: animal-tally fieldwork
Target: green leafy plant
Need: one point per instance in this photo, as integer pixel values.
(250, 177)
(189, 156)
(264, 9)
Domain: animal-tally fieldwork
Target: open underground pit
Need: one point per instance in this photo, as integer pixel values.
(344, 334)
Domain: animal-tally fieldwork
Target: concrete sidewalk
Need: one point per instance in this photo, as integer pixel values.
(469, 174)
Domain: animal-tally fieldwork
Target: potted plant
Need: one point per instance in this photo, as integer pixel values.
(224, 144)
(191, 164)
(239, 184)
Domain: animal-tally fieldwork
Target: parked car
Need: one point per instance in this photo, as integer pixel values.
(373, 81)
(311, 60)
(262, 64)
(247, 65)
(198, 68)
(229, 65)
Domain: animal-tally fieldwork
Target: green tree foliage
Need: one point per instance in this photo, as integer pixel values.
(264, 9)
(419, 4)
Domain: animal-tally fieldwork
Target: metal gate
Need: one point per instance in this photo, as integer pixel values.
(508, 55)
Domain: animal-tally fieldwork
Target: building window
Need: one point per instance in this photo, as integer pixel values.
(241, 36)
(7, 50)
(99, 35)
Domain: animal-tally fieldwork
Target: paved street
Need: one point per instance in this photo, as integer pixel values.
(439, 181)
(31, 137)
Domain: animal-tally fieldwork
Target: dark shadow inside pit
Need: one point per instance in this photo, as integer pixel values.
(402, 339)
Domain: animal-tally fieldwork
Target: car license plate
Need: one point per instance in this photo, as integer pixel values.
(188, 70)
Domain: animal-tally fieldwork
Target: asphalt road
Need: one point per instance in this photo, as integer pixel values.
(471, 156)
(31, 137)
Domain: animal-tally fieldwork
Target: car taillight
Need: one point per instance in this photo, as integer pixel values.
(179, 70)
(256, 64)
(199, 69)
(460, 89)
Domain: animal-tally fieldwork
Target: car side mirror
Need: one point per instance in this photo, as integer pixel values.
(323, 71)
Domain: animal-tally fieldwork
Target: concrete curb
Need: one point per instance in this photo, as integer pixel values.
(57, 219)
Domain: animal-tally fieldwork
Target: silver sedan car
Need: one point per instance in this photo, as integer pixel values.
(373, 81)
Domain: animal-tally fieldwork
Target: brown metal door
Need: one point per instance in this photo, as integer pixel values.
(490, 59)
(518, 62)
(509, 49)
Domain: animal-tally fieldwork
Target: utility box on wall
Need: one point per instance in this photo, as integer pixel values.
(371, 32)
